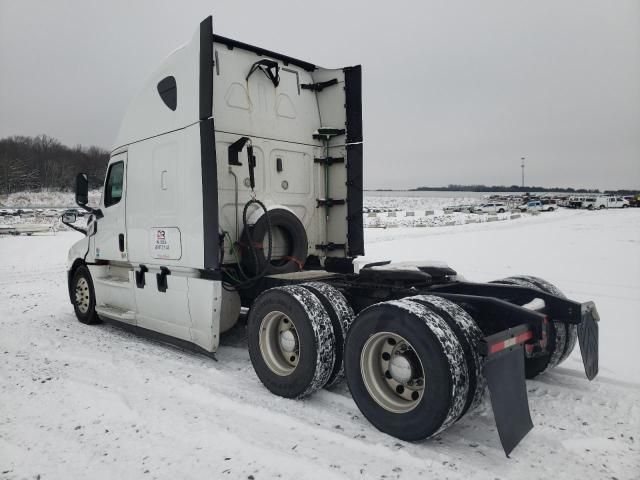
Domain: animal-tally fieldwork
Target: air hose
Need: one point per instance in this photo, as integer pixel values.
(246, 281)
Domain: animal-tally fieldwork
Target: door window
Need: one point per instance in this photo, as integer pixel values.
(114, 184)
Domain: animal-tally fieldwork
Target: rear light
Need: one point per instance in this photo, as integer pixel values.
(545, 329)
(510, 342)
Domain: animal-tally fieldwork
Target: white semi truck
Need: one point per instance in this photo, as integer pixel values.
(236, 181)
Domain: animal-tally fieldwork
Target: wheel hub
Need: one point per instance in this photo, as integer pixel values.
(82, 295)
(279, 343)
(288, 341)
(400, 369)
(392, 372)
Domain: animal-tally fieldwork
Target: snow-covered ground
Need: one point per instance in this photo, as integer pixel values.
(420, 200)
(96, 402)
(45, 198)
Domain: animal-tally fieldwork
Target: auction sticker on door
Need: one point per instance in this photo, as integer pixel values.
(165, 243)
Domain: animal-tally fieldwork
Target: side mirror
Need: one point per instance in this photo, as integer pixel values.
(82, 189)
(82, 194)
(69, 217)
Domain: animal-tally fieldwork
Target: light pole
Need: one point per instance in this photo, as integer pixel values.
(522, 166)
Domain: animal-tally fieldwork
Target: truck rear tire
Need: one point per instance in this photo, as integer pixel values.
(571, 330)
(562, 336)
(406, 369)
(83, 296)
(469, 335)
(291, 341)
(341, 316)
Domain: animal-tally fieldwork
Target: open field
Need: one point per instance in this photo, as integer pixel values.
(96, 402)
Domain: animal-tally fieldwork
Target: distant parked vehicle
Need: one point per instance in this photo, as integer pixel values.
(577, 202)
(491, 208)
(625, 202)
(26, 212)
(81, 213)
(634, 200)
(532, 206)
(5, 212)
(549, 205)
(610, 202)
(589, 203)
(51, 212)
(464, 208)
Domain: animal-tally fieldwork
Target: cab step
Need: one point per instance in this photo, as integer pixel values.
(116, 313)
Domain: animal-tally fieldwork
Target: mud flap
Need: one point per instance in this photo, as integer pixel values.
(504, 372)
(588, 338)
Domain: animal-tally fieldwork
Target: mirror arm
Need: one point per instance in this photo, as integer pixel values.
(77, 229)
(94, 211)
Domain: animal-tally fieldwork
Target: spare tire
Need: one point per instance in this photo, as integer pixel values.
(289, 239)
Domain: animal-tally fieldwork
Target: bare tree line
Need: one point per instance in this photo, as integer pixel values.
(42, 162)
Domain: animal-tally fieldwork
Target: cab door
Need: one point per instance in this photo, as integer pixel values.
(110, 239)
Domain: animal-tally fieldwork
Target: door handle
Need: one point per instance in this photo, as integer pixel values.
(121, 242)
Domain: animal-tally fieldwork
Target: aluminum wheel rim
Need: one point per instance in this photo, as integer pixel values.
(383, 366)
(82, 295)
(279, 343)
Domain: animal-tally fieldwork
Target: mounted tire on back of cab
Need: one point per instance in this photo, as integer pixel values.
(406, 369)
(562, 337)
(289, 244)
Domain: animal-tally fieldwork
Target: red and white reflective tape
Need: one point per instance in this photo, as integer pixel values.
(510, 342)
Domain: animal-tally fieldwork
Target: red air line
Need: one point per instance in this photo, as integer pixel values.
(510, 342)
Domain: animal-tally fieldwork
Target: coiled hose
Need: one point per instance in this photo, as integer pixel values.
(246, 281)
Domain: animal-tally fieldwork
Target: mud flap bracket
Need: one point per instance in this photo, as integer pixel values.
(504, 372)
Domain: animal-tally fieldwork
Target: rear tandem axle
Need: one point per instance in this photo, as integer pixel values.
(492, 334)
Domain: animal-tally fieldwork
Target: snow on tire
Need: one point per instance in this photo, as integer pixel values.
(572, 338)
(469, 335)
(341, 316)
(426, 361)
(537, 365)
(291, 341)
(571, 330)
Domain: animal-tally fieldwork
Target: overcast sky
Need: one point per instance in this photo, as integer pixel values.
(454, 92)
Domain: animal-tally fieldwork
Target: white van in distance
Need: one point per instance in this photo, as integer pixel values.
(603, 202)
